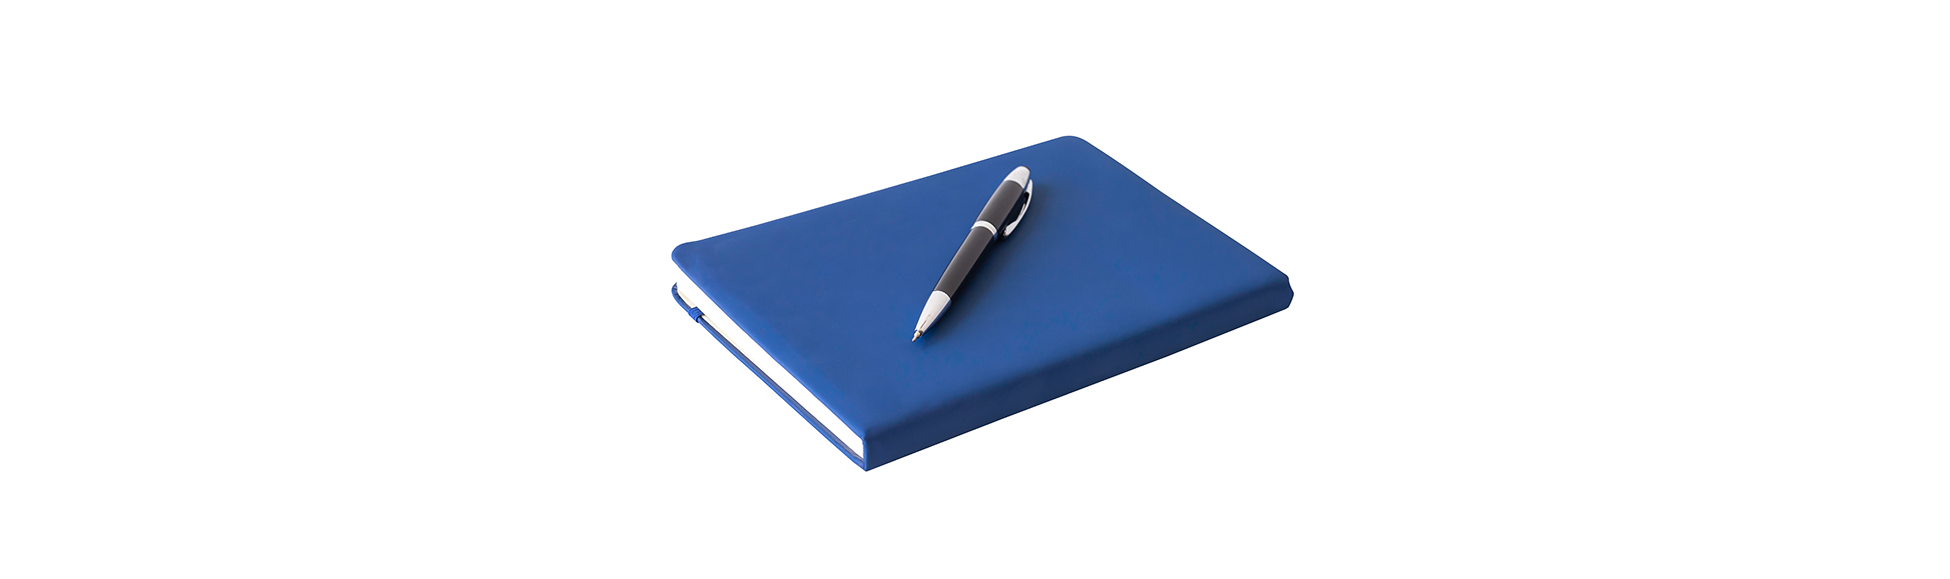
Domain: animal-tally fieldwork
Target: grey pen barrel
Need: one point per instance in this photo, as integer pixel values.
(986, 231)
(980, 236)
(964, 261)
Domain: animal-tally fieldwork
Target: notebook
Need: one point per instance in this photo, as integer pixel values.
(1103, 274)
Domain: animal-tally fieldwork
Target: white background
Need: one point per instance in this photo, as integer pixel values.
(381, 289)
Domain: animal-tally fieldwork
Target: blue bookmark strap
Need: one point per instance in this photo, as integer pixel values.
(697, 315)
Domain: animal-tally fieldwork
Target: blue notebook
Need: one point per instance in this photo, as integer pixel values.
(1104, 274)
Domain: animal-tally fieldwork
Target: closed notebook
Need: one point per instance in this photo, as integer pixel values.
(1103, 274)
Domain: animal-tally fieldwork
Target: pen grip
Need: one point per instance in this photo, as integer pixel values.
(965, 258)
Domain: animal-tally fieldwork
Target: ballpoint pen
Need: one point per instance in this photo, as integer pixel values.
(1016, 187)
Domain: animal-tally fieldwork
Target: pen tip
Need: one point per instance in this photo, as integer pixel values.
(917, 335)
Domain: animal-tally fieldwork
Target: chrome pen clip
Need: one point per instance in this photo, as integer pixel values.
(1028, 195)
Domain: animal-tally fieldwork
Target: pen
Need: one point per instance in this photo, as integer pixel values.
(981, 235)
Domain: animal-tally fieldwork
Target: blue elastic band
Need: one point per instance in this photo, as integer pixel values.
(697, 315)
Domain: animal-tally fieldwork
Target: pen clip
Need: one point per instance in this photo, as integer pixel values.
(1028, 195)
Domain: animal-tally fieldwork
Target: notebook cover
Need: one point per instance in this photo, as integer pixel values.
(1104, 274)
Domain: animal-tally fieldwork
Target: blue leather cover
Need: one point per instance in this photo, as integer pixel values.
(1104, 274)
